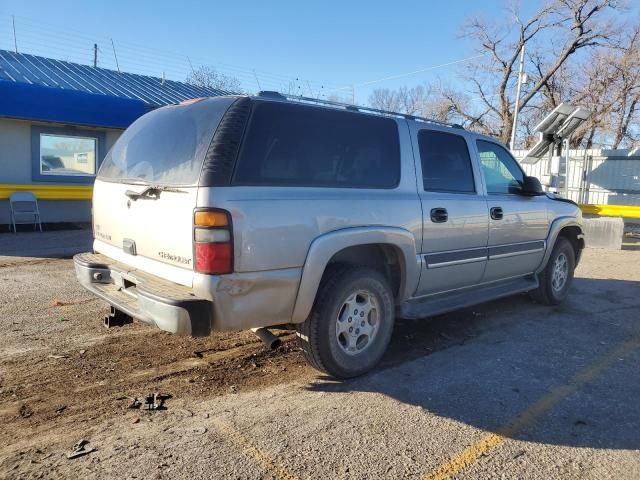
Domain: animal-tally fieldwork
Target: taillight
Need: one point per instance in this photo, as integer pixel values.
(213, 242)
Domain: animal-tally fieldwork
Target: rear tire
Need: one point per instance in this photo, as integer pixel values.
(557, 276)
(351, 322)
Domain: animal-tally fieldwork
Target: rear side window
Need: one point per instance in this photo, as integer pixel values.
(446, 164)
(297, 145)
(166, 146)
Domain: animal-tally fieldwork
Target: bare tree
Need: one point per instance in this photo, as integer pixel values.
(421, 100)
(627, 111)
(607, 82)
(385, 99)
(208, 77)
(338, 98)
(553, 34)
(576, 51)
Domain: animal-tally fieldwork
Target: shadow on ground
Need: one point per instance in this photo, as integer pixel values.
(494, 361)
(47, 244)
(631, 242)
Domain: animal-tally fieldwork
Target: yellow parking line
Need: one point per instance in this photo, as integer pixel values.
(469, 455)
(260, 456)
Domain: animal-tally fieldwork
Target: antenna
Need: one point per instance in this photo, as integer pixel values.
(163, 79)
(95, 55)
(257, 81)
(114, 55)
(193, 72)
(15, 42)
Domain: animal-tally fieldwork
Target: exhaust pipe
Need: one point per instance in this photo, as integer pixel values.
(268, 338)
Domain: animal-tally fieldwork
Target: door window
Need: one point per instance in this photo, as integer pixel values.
(446, 165)
(502, 173)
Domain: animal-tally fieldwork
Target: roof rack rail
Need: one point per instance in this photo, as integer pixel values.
(356, 108)
(270, 93)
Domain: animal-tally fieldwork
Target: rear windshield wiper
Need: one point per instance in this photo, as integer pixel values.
(152, 192)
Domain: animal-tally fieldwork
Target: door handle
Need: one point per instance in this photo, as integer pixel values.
(496, 213)
(439, 215)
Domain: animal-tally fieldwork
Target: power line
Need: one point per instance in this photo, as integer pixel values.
(413, 72)
(432, 67)
(49, 40)
(137, 48)
(131, 54)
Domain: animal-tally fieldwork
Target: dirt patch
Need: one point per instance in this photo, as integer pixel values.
(62, 373)
(40, 393)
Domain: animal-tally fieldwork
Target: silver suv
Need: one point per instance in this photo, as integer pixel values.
(240, 212)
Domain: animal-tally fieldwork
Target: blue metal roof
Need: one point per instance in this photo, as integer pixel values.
(47, 72)
(34, 102)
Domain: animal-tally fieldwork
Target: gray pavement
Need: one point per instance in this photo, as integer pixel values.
(541, 393)
(62, 243)
(525, 391)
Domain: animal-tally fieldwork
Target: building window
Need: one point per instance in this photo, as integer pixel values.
(67, 155)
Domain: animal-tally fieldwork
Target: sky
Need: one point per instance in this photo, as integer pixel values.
(331, 46)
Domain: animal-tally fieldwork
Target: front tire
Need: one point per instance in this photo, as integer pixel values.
(350, 324)
(557, 276)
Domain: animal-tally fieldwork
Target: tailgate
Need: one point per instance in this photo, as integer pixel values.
(145, 193)
(152, 234)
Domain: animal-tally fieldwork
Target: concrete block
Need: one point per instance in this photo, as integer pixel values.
(604, 232)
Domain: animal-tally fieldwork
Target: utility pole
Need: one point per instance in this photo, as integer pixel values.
(15, 42)
(95, 55)
(514, 127)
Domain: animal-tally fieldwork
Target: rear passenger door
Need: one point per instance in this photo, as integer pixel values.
(518, 224)
(454, 211)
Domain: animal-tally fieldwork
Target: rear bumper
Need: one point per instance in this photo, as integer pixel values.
(169, 306)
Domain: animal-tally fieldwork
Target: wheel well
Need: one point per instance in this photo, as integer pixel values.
(382, 257)
(572, 233)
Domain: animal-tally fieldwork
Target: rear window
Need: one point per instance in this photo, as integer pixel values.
(296, 145)
(446, 165)
(165, 146)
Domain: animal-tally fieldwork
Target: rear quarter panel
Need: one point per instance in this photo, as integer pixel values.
(273, 227)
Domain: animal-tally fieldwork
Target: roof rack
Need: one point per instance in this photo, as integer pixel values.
(354, 108)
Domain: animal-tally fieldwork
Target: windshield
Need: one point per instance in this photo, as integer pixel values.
(165, 146)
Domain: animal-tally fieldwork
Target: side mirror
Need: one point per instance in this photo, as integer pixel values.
(531, 187)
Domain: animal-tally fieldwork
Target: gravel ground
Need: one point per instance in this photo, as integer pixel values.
(508, 389)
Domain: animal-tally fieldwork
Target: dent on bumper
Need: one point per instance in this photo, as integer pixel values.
(238, 301)
(170, 307)
(250, 299)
